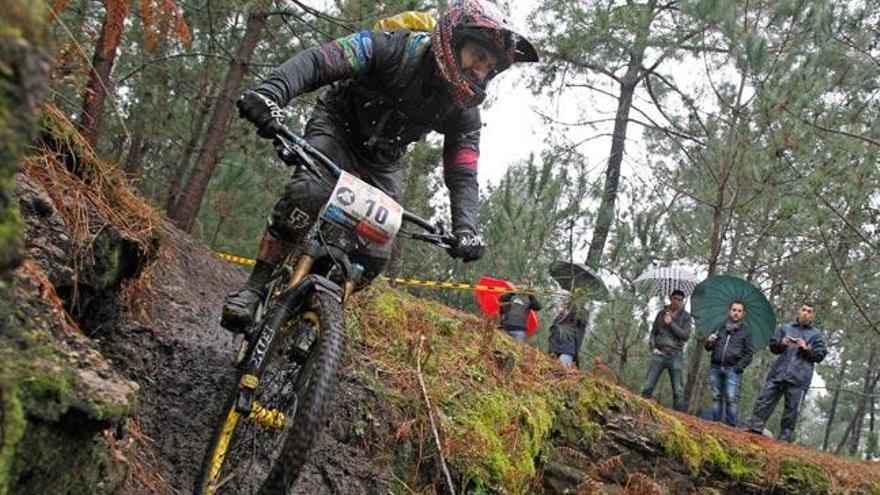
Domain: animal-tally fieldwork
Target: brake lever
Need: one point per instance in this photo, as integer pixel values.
(439, 240)
(286, 152)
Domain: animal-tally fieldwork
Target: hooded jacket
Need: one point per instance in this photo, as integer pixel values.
(384, 95)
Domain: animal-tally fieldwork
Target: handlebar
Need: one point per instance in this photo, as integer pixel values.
(295, 150)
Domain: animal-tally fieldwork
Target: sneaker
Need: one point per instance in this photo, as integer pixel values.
(239, 308)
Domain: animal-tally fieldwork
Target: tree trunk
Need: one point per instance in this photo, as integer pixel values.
(181, 170)
(867, 391)
(853, 433)
(221, 219)
(184, 214)
(136, 152)
(834, 400)
(605, 215)
(624, 357)
(727, 161)
(635, 72)
(871, 449)
(102, 65)
(24, 83)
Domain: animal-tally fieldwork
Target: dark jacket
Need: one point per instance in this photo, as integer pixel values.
(567, 332)
(515, 309)
(733, 349)
(795, 365)
(670, 338)
(384, 96)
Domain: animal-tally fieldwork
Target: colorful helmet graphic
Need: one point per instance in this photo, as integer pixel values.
(484, 23)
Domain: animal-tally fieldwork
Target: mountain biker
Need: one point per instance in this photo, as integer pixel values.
(389, 89)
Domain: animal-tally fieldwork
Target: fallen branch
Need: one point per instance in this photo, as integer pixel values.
(431, 414)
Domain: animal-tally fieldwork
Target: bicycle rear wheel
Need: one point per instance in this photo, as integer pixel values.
(265, 451)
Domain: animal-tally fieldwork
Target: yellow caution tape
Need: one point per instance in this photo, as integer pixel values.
(457, 286)
(236, 259)
(420, 283)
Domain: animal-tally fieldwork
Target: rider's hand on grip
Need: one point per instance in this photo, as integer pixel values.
(469, 246)
(262, 112)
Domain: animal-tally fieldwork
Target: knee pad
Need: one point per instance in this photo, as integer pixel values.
(298, 207)
(289, 226)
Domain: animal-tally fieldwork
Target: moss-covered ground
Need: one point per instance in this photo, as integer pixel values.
(504, 408)
(51, 413)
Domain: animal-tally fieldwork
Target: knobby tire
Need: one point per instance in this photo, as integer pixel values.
(315, 379)
(324, 364)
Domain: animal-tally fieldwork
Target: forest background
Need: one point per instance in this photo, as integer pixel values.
(726, 137)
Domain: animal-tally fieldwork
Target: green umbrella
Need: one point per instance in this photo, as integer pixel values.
(711, 300)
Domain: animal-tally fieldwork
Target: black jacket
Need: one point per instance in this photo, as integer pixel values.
(670, 338)
(567, 332)
(385, 95)
(733, 349)
(515, 309)
(795, 365)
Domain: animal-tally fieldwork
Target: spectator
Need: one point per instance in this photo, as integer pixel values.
(731, 347)
(568, 330)
(515, 308)
(800, 346)
(670, 331)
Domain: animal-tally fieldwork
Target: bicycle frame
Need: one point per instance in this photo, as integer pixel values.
(301, 280)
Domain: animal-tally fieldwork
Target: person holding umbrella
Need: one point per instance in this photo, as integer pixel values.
(800, 346)
(670, 331)
(731, 348)
(568, 330)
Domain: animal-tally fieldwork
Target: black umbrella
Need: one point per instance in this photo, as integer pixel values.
(576, 275)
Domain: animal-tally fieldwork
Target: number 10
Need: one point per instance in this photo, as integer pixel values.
(381, 211)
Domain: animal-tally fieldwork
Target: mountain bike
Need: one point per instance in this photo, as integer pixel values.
(288, 361)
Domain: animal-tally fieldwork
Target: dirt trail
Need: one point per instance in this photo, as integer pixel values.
(164, 335)
(182, 358)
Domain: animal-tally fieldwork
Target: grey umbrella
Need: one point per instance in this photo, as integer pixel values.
(667, 279)
(577, 275)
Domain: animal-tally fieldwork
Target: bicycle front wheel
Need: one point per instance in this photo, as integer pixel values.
(265, 451)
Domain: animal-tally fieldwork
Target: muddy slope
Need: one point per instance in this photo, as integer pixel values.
(164, 337)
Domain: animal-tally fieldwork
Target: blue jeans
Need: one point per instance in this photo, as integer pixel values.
(517, 333)
(673, 363)
(725, 392)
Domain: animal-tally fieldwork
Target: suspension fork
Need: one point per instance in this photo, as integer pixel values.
(255, 360)
(290, 303)
(303, 267)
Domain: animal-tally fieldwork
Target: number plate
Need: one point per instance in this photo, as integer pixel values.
(363, 209)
